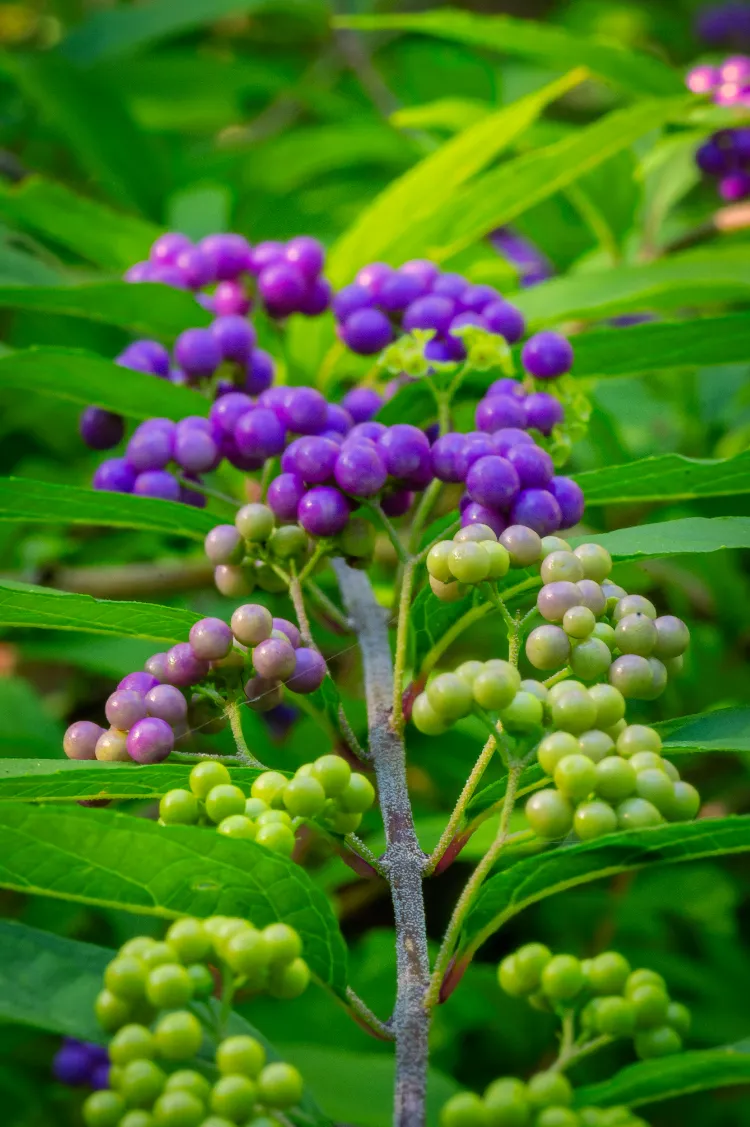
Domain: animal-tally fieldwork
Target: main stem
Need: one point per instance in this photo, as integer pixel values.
(404, 860)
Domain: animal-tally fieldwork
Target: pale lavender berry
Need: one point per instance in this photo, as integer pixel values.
(226, 412)
(274, 659)
(427, 272)
(431, 312)
(404, 448)
(195, 450)
(196, 267)
(505, 320)
(538, 510)
(556, 598)
(477, 444)
(183, 666)
(140, 682)
(449, 285)
(569, 497)
(228, 254)
(533, 465)
(492, 481)
(197, 353)
(285, 494)
(124, 708)
(474, 513)
(210, 639)
(252, 624)
(397, 502)
(398, 291)
(150, 740)
(498, 412)
(139, 272)
(79, 741)
(101, 430)
(229, 299)
(542, 411)
(165, 250)
(547, 355)
(449, 459)
(282, 288)
(235, 337)
(338, 419)
(260, 371)
(168, 276)
(145, 356)
(505, 439)
(288, 628)
(304, 410)
(366, 331)
(223, 545)
(359, 469)
(372, 430)
(151, 445)
(374, 276)
(167, 703)
(350, 299)
(157, 483)
(309, 671)
(316, 298)
(259, 434)
(157, 666)
(307, 254)
(323, 511)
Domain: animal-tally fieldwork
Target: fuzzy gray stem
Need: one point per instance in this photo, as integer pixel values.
(404, 860)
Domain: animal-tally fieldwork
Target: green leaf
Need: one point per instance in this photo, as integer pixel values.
(82, 377)
(107, 34)
(107, 859)
(69, 780)
(726, 729)
(146, 309)
(422, 191)
(547, 44)
(431, 618)
(532, 779)
(107, 238)
(639, 349)
(693, 278)
(41, 502)
(509, 892)
(667, 477)
(25, 606)
(28, 727)
(663, 1079)
(452, 114)
(673, 537)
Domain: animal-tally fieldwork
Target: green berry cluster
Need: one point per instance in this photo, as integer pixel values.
(608, 775)
(147, 976)
(244, 552)
(494, 686)
(597, 629)
(144, 1092)
(327, 790)
(611, 999)
(472, 556)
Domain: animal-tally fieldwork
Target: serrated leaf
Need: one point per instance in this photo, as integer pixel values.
(69, 780)
(41, 502)
(22, 605)
(638, 349)
(673, 537)
(545, 43)
(82, 377)
(379, 232)
(726, 729)
(666, 477)
(98, 234)
(102, 858)
(147, 309)
(509, 892)
(668, 1077)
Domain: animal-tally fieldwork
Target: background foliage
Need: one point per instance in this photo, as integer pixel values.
(205, 115)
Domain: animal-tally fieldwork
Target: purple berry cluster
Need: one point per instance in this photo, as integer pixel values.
(532, 264)
(384, 302)
(81, 1064)
(722, 23)
(725, 156)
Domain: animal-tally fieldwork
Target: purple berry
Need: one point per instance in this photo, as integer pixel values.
(156, 666)
(99, 1077)
(362, 403)
(288, 628)
(440, 351)
(260, 372)
(316, 298)
(229, 299)
(474, 513)
(476, 298)
(398, 291)
(712, 158)
(702, 79)
(499, 412)
(228, 410)
(349, 300)
(145, 356)
(477, 444)
(101, 430)
(569, 497)
(282, 288)
(449, 285)
(506, 386)
(259, 434)
(124, 708)
(263, 694)
(533, 465)
(266, 254)
(285, 494)
(210, 639)
(304, 410)
(192, 496)
(168, 276)
(367, 331)
(422, 269)
(165, 250)
(141, 682)
(431, 312)
(309, 671)
(735, 186)
(374, 276)
(139, 272)
(183, 666)
(196, 267)
(235, 337)
(547, 355)
(80, 739)
(338, 419)
(543, 411)
(195, 450)
(307, 254)
(538, 510)
(323, 511)
(150, 740)
(505, 439)
(312, 458)
(404, 448)
(197, 353)
(274, 659)
(72, 1064)
(503, 318)
(157, 483)
(397, 502)
(228, 254)
(449, 459)
(167, 703)
(372, 430)
(360, 469)
(492, 481)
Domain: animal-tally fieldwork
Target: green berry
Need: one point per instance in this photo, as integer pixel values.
(551, 544)
(499, 558)
(591, 659)
(111, 1011)
(508, 978)
(304, 797)
(550, 1089)
(179, 808)
(276, 837)
(562, 978)
(561, 565)
(290, 980)
(158, 955)
(425, 718)
(178, 1035)
(468, 562)
(450, 697)
(358, 539)
(671, 770)
(645, 761)
(132, 1042)
(506, 1103)
(280, 1085)
(650, 1003)
(358, 795)
(465, 1109)
(596, 745)
(438, 558)
(672, 637)
(496, 686)
(178, 1109)
(578, 622)
(234, 1097)
(469, 671)
(247, 952)
(240, 1055)
(342, 823)
(608, 973)
(605, 633)
(537, 689)
(274, 817)
(224, 801)
(530, 961)
(556, 1117)
(125, 977)
(141, 1082)
(239, 826)
(633, 604)
(333, 774)
(573, 710)
(550, 815)
(254, 807)
(189, 940)
(137, 946)
(575, 776)
(637, 814)
(207, 775)
(524, 713)
(548, 647)
(637, 737)
(554, 747)
(254, 522)
(593, 820)
(595, 561)
(287, 542)
(188, 1080)
(447, 592)
(685, 803)
(643, 977)
(661, 1041)
(283, 943)
(103, 1109)
(636, 634)
(169, 987)
(268, 787)
(678, 1016)
(478, 533)
(137, 1118)
(656, 787)
(522, 544)
(615, 1016)
(202, 980)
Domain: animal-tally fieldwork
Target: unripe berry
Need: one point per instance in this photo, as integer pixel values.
(125, 977)
(608, 973)
(240, 1055)
(132, 1042)
(469, 671)
(178, 1035)
(103, 1109)
(636, 634)
(593, 820)
(678, 1016)
(188, 1080)
(633, 604)
(498, 557)
(179, 807)
(425, 718)
(255, 522)
(554, 747)
(251, 624)
(662, 1041)
(530, 961)
(604, 632)
(578, 622)
(550, 1089)
(637, 814)
(573, 710)
(650, 1003)
(332, 772)
(672, 637)
(358, 795)
(496, 686)
(537, 689)
(524, 546)
(507, 1104)
(178, 1107)
(450, 696)
(590, 659)
(465, 1109)
(554, 599)
(610, 704)
(616, 1017)
(591, 596)
(548, 647)
(207, 775)
(637, 737)
(438, 561)
(237, 826)
(189, 940)
(468, 562)
(656, 787)
(643, 977)
(280, 1085)
(550, 815)
(596, 745)
(615, 779)
(447, 592)
(685, 802)
(268, 788)
(276, 837)
(480, 533)
(595, 560)
(575, 776)
(633, 676)
(552, 544)
(557, 1117)
(169, 986)
(524, 713)
(304, 797)
(234, 1097)
(561, 566)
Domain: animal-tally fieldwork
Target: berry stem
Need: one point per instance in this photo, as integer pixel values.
(561, 675)
(403, 859)
(576, 1051)
(320, 550)
(355, 843)
(295, 594)
(232, 709)
(402, 639)
(471, 784)
(471, 889)
(389, 530)
(327, 607)
(207, 491)
(366, 1017)
(423, 511)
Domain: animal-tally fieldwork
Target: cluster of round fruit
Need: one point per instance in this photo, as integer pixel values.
(493, 685)
(598, 629)
(81, 1064)
(608, 775)
(616, 1000)
(326, 790)
(532, 264)
(720, 23)
(285, 276)
(143, 1093)
(726, 154)
(544, 1101)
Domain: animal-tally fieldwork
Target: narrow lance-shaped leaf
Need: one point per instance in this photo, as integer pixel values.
(666, 477)
(113, 860)
(25, 606)
(726, 729)
(674, 537)
(668, 1077)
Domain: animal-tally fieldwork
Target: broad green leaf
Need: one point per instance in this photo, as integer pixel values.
(25, 606)
(638, 349)
(431, 618)
(509, 892)
(544, 43)
(101, 654)
(421, 192)
(102, 858)
(663, 1079)
(145, 309)
(17, 268)
(726, 729)
(532, 778)
(674, 537)
(41, 502)
(666, 477)
(107, 238)
(452, 114)
(69, 780)
(499, 196)
(27, 727)
(107, 34)
(689, 279)
(82, 377)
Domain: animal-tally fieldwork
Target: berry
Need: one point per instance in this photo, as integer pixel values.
(523, 545)
(496, 685)
(450, 696)
(178, 1035)
(593, 820)
(562, 978)
(595, 560)
(179, 807)
(103, 1109)
(596, 745)
(637, 814)
(553, 748)
(573, 710)
(141, 1082)
(223, 545)
(183, 667)
(556, 598)
(660, 1041)
(150, 740)
(187, 937)
(685, 802)
(530, 961)
(636, 634)
(550, 1089)
(492, 481)
(358, 795)
(80, 740)
(654, 785)
(561, 565)
(323, 511)
(637, 737)
(672, 637)
(578, 622)
(550, 815)
(465, 1109)
(187, 1080)
(615, 779)
(274, 659)
(290, 980)
(506, 1102)
(309, 671)
(304, 797)
(678, 1016)
(333, 773)
(111, 1011)
(169, 986)
(211, 639)
(276, 837)
(610, 705)
(608, 973)
(650, 1003)
(207, 775)
(548, 647)
(223, 801)
(237, 825)
(590, 659)
(523, 713)
(425, 718)
(178, 1109)
(251, 624)
(575, 776)
(280, 1085)
(366, 331)
(557, 1117)
(234, 1097)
